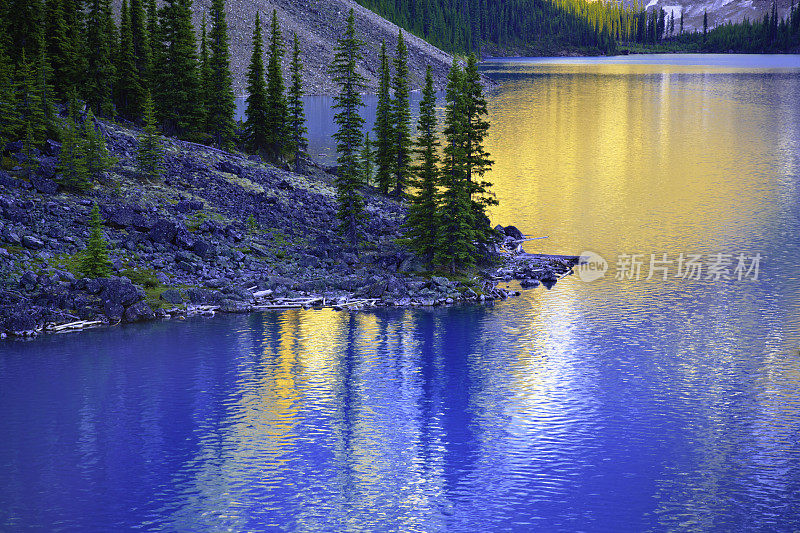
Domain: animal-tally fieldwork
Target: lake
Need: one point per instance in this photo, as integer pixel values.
(620, 403)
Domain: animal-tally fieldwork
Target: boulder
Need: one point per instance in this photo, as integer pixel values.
(29, 241)
(229, 167)
(138, 312)
(113, 311)
(440, 281)
(204, 296)
(513, 232)
(185, 240)
(163, 231)
(120, 216)
(120, 291)
(20, 322)
(43, 185)
(202, 248)
(172, 296)
(187, 206)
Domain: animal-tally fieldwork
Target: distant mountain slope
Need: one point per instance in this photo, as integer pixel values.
(719, 11)
(318, 24)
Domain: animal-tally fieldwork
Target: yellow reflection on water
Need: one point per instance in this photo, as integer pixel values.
(623, 158)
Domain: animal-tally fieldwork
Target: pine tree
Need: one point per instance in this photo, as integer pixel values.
(98, 159)
(705, 27)
(95, 262)
(476, 159)
(177, 88)
(277, 114)
(100, 38)
(348, 137)
(60, 46)
(72, 164)
(384, 134)
(150, 157)
(44, 88)
(367, 157)
(141, 46)
(127, 86)
(153, 43)
(297, 116)
(256, 112)
(422, 223)
(30, 108)
(221, 104)
(455, 247)
(401, 117)
(9, 117)
(78, 69)
(204, 66)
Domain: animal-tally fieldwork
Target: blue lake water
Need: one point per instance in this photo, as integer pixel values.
(611, 405)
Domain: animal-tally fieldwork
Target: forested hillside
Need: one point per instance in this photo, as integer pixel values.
(496, 27)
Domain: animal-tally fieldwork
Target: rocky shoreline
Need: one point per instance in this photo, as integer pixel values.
(222, 233)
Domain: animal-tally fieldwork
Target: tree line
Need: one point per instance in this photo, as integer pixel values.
(442, 179)
(464, 26)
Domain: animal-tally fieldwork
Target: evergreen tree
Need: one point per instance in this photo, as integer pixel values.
(455, 248)
(153, 44)
(30, 108)
(476, 159)
(297, 116)
(256, 112)
(127, 87)
(367, 156)
(277, 114)
(100, 37)
(401, 117)
(60, 46)
(141, 46)
(72, 163)
(205, 74)
(681, 32)
(348, 102)
(44, 89)
(422, 223)
(705, 27)
(177, 88)
(9, 116)
(98, 159)
(150, 157)
(95, 262)
(221, 103)
(384, 134)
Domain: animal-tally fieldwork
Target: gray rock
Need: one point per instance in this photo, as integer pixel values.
(163, 232)
(513, 232)
(202, 249)
(43, 185)
(440, 281)
(113, 311)
(172, 296)
(204, 296)
(52, 148)
(32, 242)
(120, 291)
(138, 312)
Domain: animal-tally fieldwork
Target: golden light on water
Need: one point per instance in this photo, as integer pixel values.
(625, 158)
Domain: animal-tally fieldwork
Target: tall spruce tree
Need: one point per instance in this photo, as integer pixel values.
(177, 89)
(476, 159)
(94, 261)
(204, 67)
(367, 158)
(422, 224)
(153, 43)
(455, 248)
(72, 160)
(256, 112)
(100, 46)
(277, 113)
(348, 103)
(30, 108)
(98, 159)
(221, 104)
(401, 118)
(142, 54)
(384, 132)
(60, 46)
(127, 86)
(150, 157)
(297, 116)
(9, 116)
